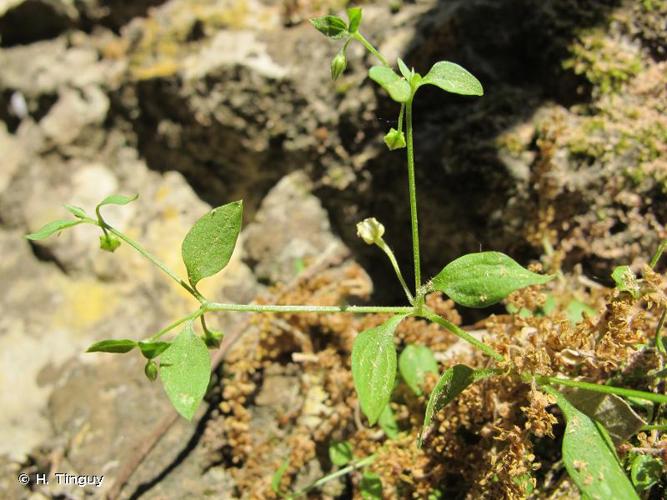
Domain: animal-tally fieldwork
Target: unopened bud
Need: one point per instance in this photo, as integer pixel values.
(395, 139)
(338, 65)
(151, 370)
(370, 230)
(212, 339)
(109, 243)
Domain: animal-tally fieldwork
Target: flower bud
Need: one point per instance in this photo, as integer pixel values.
(370, 230)
(395, 139)
(151, 370)
(109, 243)
(338, 65)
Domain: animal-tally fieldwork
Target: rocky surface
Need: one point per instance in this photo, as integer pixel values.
(193, 104)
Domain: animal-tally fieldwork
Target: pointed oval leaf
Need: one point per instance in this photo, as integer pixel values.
(52, 228)
(354, 15)
(118, 346)
(278, 476)
(453, 78)
(370, 486)
(589, 458)
(152, 350)
(398, 89)
(626, 281)
(610, 410)
(209, 244)
(331, 26)
(452, 383)
(485, 278)
(185, 372)
(341, 453)
(414, 363)
(117, 199)
(387, 423)
(374, 367)
(405, 71)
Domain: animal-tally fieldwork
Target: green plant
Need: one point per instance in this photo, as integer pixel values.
(475, 280)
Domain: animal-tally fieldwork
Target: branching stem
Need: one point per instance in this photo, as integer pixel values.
(394, 263)
(290, 309)
(413, 202)
(369, 46)
(137, 246)
(607, 389)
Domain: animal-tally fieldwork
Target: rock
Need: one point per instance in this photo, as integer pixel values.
(290, 229)
(26, 21)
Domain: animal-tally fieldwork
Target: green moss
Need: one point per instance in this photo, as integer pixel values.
(603, 61)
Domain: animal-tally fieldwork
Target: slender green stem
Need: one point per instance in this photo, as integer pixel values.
(400, 118)
(394, 263)
(288, 309)
(658, 253)
(176, 323)
(358, 464)
(659, 343)
(134, 244)
(413, 201)
(655, 427)
(606, 389)
(488, 350)
(369, 46)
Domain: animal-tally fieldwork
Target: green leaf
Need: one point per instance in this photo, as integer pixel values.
(340, 453)
(354, 15)
(52, 228)
(119, 346)
(453, 78)
(645, 472)
(589, 459)
(185, 372)
(209, 244)
(626, 281)
(278, 476)
(370, 486)
(77, 212)
(452, 383)
(374, 367)
(152, 350)
(117, 199)
(404, 69)
(610, 410)
(387, 423)
(576, 309)
(485, 278)
(414, 363)
(331, 26)
(399, 90)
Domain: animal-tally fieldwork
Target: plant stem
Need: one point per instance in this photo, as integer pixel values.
(655, 427)
(607, 389)
(340, 472)
(134, 244)
(413, 201)
(180, 321)
(658, 253)
(659, 343)
(488, 350)
(288, 309)
(400, 118)
(392, 258)
(369, 46)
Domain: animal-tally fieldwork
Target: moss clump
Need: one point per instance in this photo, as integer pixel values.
(604, 62)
